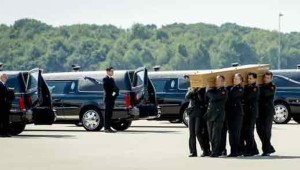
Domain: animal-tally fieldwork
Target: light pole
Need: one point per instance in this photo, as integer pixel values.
(279, 41)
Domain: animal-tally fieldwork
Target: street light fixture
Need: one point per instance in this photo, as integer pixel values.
(279, 41)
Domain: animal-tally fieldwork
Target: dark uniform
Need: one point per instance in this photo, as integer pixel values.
(265, 116)
(223, 150)
(110, 88)
(234, 115)
(215, 116)
(5, 105)
(251, 98)
(197, 124)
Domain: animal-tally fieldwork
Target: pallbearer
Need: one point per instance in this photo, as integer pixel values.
(197, 125)
(266, 114)
(215, 114)
(251, 97)
(234, 114)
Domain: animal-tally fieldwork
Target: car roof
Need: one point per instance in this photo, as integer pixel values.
(13, 72)
(82, 74)
(286, 71)
(173, 74)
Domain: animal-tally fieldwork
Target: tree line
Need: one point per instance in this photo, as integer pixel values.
(29, 43)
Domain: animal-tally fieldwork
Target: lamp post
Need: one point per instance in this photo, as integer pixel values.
(279, 41)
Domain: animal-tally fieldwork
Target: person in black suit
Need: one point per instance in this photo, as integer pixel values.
(111, 93)
(5, 105)
(251, 98)
(197, 124)
(215, 114)
(234, 115)
(266, 113)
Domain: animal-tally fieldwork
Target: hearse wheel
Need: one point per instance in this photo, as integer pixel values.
(185, 118)
(92, 119)
(17, 128)
(121, 125)
(282, 113)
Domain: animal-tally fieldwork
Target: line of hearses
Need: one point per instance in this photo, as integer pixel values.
(77, 97)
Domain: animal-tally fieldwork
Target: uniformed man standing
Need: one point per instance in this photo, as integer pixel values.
(251, 97)
(266, 114)
(215, 114)
(197, 124)
(111, 92)
(5, 105)
(234, 114)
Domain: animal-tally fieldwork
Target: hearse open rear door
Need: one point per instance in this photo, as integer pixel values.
(144, 94)
(43, 112)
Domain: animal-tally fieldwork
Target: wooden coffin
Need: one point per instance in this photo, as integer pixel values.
(207, 79)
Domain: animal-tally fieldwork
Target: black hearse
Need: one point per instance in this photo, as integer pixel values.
(287, 98)
(78, 96)
(32, 103)
(171, 87)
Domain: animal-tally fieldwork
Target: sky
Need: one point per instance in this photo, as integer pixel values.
(124, 13)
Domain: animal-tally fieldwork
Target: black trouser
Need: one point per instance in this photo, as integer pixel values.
(109, 107)
(198, 129)
(223, 140)
(215, 134)
(4, 122)
(234, 123)
(264, 131)
(248, 144)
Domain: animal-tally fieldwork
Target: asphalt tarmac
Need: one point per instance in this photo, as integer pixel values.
(147, 145)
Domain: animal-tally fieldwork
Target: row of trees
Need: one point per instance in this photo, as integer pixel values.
(30, 43)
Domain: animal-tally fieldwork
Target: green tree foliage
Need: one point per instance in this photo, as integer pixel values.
(30, 43)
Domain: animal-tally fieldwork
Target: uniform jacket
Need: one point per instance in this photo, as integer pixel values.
(251, 99)
(197, 104)
(266, 102)
(234, 102)
(216, 106)
(110, 87)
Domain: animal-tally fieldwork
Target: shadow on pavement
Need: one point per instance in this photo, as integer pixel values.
(102, 131)
(291, 123)
(146, 131)
(53, 130)
(268, 157)
(44, 136)
(159, 127)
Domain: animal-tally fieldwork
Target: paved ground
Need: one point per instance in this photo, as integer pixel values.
(147, 145)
